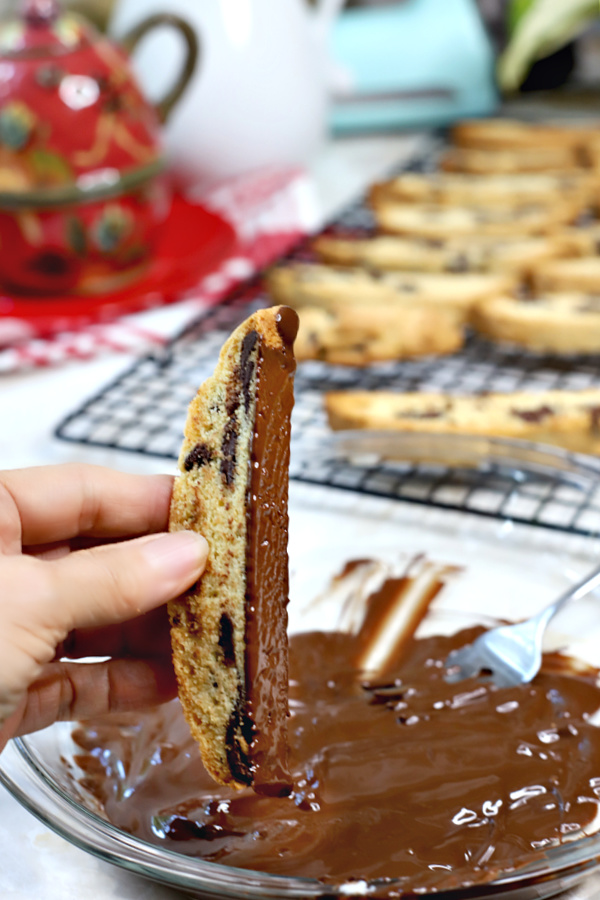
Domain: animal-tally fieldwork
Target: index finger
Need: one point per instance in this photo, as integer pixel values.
(57, 503)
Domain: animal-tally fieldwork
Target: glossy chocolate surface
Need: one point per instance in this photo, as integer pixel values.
(267, 562)
(396, 776)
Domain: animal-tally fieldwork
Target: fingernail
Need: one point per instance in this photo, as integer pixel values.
(180, 556)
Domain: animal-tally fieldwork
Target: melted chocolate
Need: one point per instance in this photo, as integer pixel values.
(402, 777)
(267, 562)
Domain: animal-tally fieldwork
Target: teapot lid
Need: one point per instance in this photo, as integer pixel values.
(41, 27)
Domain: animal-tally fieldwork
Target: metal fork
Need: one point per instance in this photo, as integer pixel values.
(512, 654)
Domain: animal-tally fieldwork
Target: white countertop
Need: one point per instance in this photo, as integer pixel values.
(36, 864)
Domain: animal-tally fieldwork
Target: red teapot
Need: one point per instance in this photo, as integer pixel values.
(83, 191)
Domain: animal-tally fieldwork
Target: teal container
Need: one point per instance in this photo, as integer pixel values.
(412, 64)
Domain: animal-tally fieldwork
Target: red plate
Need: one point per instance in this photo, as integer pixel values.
(194, 243)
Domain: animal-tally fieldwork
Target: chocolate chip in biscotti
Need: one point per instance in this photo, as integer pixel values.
(201, 455)
(228, 448)
(226, 640)
(533, 415)
(228, 632)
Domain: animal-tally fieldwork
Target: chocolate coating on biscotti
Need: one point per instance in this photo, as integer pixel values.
(229, 632)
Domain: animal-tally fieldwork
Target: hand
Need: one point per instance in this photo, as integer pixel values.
(71, 586)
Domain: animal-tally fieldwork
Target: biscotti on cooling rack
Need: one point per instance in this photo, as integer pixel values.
(229, 631)
(564, 324)
(515, 134)
(502, 145)
(316, 285)
(454, 256)
(578, 240)
(554, 160)
(579, 274)
(570, 419)
(358, 335)
(490, 191)
(518, 227)
(443, 222)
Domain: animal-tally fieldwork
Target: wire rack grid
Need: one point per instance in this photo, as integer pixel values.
(143, 410)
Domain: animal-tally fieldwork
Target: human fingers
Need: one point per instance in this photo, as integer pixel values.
(42, 601)
(56, 503)
(73, 691)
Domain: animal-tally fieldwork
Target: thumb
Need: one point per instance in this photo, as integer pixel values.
(116, 582)
(42, 601)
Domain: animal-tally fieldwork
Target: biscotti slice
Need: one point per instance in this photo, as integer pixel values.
(442, 222)
(552, 323)
(511, 134)
(229, 631)
(570, 419)
(356, 336)
(504, 191)
(580, 240)
(581, 274)
(550, 160)
(459, 255)
(314, 285)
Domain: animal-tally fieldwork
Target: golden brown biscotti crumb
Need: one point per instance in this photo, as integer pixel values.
(581, 274)
(229, 631)
(514, 134)
(497, 190)
(552, 323)
(315, 285)
(435, 221)
(551, 160)
(454, 255)
(569, 419)
(360, 335)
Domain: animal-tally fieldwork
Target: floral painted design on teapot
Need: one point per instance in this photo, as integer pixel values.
(82, 187)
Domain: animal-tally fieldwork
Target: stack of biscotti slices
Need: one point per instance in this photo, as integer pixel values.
(463, 246)
(570, 419)
(509, 145)
(229, 631)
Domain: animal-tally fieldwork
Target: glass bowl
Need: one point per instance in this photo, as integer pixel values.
(507, 570)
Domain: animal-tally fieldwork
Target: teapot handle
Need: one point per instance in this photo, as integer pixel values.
(165, 106)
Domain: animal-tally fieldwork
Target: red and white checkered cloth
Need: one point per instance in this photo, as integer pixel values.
(269, 210)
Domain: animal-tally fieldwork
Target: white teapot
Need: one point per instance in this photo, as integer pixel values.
(260, 94)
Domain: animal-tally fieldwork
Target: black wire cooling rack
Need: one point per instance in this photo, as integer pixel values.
(143, 410)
